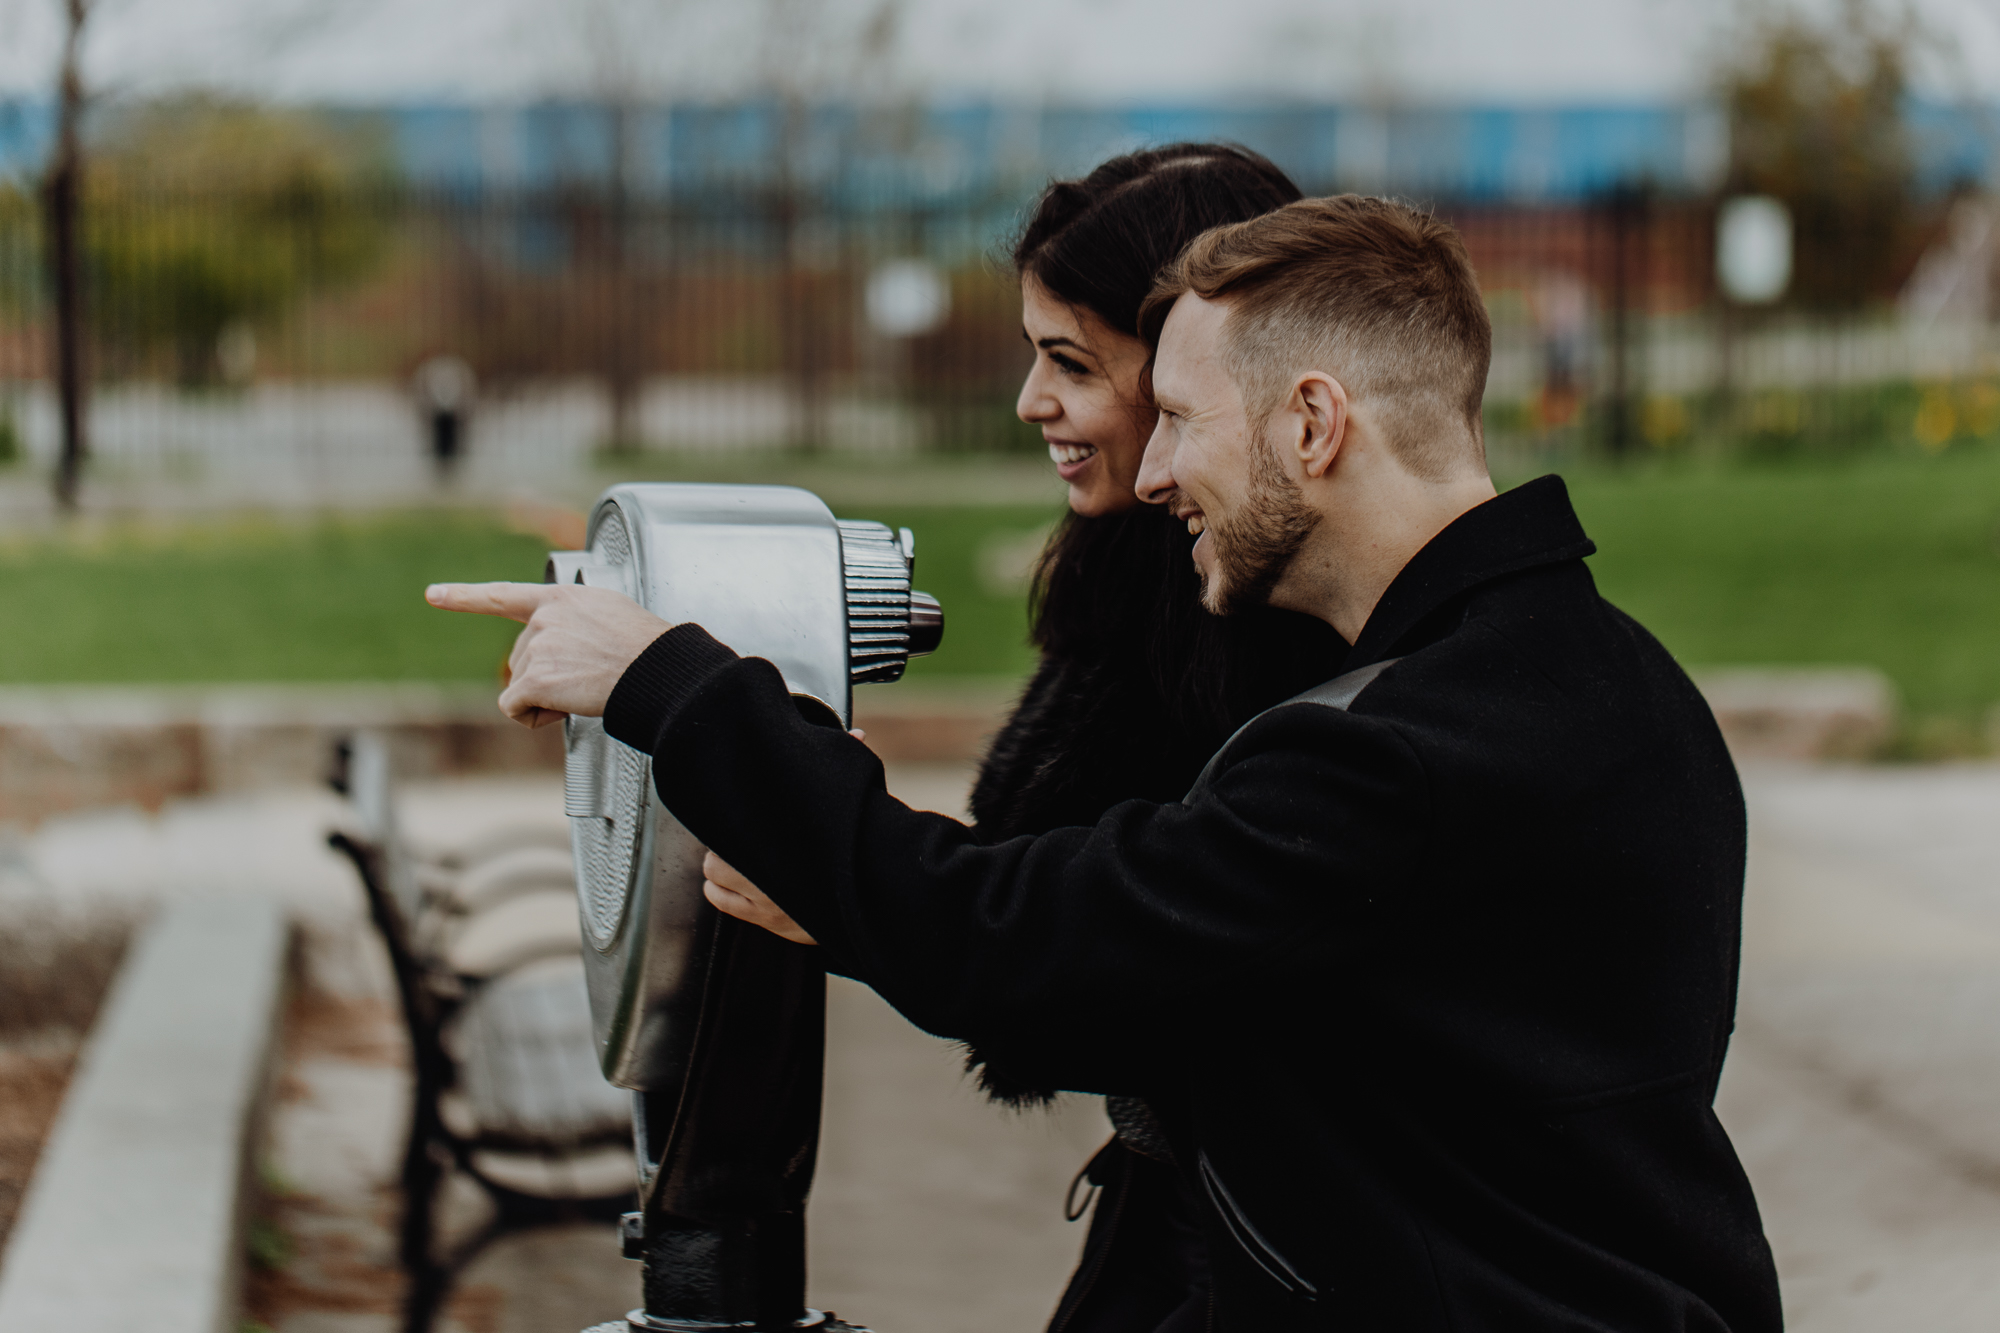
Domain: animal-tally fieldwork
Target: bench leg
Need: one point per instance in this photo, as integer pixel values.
(427, 1280)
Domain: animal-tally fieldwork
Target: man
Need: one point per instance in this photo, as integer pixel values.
(1429, 994)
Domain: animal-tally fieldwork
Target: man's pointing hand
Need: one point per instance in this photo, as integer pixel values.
(576, 643)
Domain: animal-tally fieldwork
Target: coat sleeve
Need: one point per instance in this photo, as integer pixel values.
(1093, 946)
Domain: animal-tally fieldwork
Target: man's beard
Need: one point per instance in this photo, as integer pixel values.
(1253, 550)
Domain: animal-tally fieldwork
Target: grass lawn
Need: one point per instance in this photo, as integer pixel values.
(1889, 560)
(1886, 559)
(342, 599)
(252, 600)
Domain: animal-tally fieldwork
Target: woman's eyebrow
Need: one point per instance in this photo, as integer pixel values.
(1063, 342)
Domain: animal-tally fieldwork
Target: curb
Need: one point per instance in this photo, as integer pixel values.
(134, 1216)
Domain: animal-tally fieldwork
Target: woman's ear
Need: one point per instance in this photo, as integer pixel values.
(1320, 401)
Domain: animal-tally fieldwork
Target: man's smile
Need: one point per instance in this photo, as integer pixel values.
(1184, 509)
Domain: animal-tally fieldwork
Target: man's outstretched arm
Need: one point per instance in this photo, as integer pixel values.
(1083, 941)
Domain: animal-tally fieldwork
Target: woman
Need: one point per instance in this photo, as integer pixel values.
(1137, 685)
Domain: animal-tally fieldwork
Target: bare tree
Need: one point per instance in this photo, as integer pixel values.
(62, 194)
(1816, 119)
(618, 333)
(807, 59)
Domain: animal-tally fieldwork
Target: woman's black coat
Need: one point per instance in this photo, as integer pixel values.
(1108, 717)
(1094, 727)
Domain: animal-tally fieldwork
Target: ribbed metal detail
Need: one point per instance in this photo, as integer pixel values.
(604, 784)
(877, 577)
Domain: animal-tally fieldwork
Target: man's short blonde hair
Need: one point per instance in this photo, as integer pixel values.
(1373, 292)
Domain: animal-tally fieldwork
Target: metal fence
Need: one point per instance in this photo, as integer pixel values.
(306, 340)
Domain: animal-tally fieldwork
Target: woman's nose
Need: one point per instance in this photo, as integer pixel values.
(1036, 404)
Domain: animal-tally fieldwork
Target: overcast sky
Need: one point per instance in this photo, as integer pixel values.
(1060, 50)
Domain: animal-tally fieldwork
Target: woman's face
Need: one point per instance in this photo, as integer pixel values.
(1086, 392)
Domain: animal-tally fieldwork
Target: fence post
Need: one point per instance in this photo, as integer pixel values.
(1630, 213)
(621, 338)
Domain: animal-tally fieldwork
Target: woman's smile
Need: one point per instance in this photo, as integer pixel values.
(1071, 457)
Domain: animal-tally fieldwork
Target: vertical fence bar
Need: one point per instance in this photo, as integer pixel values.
(1628, 214)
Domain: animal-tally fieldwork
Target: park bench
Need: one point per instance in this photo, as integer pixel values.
(505, 1089)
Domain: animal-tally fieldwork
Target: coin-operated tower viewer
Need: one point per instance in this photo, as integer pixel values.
(719, 1027)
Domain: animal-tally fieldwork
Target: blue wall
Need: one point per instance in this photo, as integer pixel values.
(949, 154)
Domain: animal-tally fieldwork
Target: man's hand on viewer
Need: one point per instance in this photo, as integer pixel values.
(725, 886)
(576, 644)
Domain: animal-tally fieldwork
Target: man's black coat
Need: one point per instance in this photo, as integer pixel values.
(1431, 995)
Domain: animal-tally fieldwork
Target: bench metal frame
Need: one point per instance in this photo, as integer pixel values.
(414, 913)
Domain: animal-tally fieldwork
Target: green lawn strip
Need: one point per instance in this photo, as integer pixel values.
(1884, 559)
(1887, 560)
(1890, 560)
(256, 600)
(342, 599)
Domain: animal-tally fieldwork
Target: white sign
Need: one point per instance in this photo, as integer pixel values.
(1753, 249)
(907, 297)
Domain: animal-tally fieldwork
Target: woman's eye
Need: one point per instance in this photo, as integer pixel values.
(1067, 366)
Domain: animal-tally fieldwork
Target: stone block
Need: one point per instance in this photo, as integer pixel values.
(75, 747)
(1801, 713)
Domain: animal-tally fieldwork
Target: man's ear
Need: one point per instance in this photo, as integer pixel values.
(1319, 402)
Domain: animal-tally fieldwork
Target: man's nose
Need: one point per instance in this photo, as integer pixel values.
(1156, 471)
(1036, 403)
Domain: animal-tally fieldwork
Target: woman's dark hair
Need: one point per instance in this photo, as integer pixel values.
(1116, 607)
(1099, 242)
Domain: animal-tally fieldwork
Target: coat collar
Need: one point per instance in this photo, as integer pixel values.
(1531, 525)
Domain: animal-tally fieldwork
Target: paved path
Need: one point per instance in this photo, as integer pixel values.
(932, 1213)
(1863, 1089)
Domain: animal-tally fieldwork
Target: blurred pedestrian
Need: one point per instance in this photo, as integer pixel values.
(444, 388)
(1560, 304)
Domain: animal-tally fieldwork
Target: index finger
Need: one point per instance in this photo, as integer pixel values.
(516, 601)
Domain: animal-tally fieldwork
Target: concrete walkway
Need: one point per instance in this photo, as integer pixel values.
(1863, 1089)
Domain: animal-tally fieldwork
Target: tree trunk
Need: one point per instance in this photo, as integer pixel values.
(63, 198)
(621, 353)
(1628, 216)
